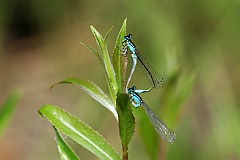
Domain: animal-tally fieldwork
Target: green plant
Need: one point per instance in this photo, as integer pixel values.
(82, 133)
(118, 103)
(7, 110)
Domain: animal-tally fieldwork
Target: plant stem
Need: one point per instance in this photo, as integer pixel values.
(125, 152)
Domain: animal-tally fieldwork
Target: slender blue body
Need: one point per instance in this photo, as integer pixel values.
(157, 82)
(157, 123)
(129, 42)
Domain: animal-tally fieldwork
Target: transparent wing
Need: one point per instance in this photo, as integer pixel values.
(159, 125)
(158, 80)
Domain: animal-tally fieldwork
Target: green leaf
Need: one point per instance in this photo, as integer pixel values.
(94, 91)
(7, 110)
(120, 61)
(79, 131)
(113, 88)
(106, 36)
(126, 118)
(66, 153)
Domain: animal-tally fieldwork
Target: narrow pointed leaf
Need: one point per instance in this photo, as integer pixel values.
(79, 131)
(106, 36)
(66, 153)
(7, 110)
(107, 63)
(93, 51)
(120, 61)
(94, 91)
(126, 118)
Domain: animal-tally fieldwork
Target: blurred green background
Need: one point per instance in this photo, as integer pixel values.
(39, 45)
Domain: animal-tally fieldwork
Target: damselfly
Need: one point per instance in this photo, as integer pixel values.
(157, 82)
(157, 123)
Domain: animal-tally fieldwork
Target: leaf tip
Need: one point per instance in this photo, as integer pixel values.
(40, 113)
(92, 28)
(125, 21)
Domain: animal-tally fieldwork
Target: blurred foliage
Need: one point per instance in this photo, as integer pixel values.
(190, 42)
(7, 110)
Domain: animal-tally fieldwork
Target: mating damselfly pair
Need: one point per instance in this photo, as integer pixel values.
(137, 101)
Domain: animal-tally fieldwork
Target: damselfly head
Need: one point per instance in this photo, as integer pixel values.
(131, 89)
(128, 37)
